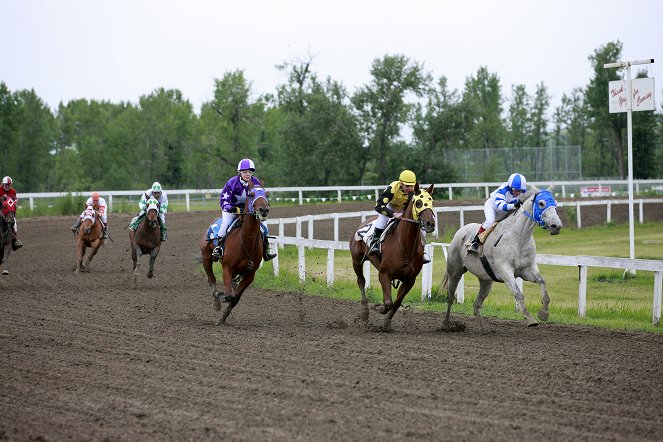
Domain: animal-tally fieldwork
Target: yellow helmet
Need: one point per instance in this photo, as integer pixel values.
(408, 178)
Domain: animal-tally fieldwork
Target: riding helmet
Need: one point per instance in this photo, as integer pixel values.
(517, 182)
(408, 178)
(246, 164)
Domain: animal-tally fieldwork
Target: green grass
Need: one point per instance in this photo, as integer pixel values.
(613, 301)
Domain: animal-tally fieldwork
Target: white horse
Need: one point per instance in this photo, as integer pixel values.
(507, 253)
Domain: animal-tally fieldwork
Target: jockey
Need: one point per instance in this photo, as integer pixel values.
(7, 189)
(501, 200)
(390, 205)
(158, 194)
(232, 199)
(93, 200)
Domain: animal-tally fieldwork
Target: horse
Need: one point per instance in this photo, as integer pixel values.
(508, 253)
(243, 251)
(402, 252)
(146, 240)
(89, 235)
(7, 220)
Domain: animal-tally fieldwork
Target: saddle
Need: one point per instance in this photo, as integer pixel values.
(366, 233)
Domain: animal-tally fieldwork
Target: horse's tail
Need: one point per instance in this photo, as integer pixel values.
(445, 281)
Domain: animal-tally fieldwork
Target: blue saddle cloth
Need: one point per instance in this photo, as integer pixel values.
(213, 229)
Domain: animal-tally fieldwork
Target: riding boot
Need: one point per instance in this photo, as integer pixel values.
(164, 234)
(217, 253)
(16, 244)
(476, 242)
(426, 258)
(374, 248)
(75, 227)
(104, 233)
(266, 256)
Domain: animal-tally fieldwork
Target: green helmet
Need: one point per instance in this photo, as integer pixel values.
(156, 187)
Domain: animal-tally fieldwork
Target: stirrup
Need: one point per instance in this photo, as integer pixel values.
(473, 248)
(217, 253)
(16, 244)
(104, 235)
(426, 258)
(74, 228)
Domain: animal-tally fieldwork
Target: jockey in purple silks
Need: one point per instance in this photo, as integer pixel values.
(503, 199)
(232, 200)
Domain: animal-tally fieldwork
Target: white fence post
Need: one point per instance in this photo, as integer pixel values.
(658, 288)
(301, 259)
(336, 227)
(188, 202)
(281, 232)
(582, 291)
(330, 266)
(275, 261)
(578, 216)
(641, 212)
(427, 275)
(608, 215)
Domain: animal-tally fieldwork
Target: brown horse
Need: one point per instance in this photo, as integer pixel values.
(243, 252)
(146, 240)
(402, 253)
(7, 220)
(89, 235)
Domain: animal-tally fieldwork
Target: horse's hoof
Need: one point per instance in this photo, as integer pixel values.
(5, 272)
(217, 303)
(531, 322)
(543, 315)
(363, 316)
(452, 326)
(150, 275)
(381, 308)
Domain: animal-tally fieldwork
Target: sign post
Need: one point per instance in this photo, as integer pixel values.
(626, 97)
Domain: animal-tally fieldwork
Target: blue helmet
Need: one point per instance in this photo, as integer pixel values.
(517, 182)
(246, 164)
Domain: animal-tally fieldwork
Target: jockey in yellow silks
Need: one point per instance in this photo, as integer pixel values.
(390, 204)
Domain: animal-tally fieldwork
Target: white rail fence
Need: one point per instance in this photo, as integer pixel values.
(565, 188)
(336, 217)
(582, 262)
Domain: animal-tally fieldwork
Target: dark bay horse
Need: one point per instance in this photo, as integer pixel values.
(146, 240)
(243, 252)
(7, 219)
(508, 252)
(89, 235)
(402, 254)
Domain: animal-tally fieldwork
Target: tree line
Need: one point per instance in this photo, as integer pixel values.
(314, 132)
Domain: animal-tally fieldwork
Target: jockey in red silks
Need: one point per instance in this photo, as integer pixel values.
(503, 199)
(7, 189)
(95, 199)
(232, 199)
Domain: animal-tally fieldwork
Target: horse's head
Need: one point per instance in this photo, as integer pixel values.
(8, 209)
(89, 218)
(152, 215)
(258, 202)
(544, 211)
(422, 207)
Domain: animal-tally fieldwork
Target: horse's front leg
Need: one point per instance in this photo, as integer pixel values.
(5, 259)
(93, 251)
(358, 267)
(80, 252)
(385, 283)
(153, 257)
(484, 289)
(533, 275)
(520, 301)
(402, 291)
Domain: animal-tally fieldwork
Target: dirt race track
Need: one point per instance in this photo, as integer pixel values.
(88, 357)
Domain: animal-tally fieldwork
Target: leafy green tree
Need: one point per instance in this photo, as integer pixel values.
(519, 122)
(570, 120)
(317, 135)
(383, 109)
(538, 117)
(483, 99)
(606, 154)
(645, 140)
(8, 115)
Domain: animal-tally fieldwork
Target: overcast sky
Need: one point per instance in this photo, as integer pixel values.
(118, 50)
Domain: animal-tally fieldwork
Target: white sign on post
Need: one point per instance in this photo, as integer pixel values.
(643, 94)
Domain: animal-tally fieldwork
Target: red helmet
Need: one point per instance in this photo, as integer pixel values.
(7, 180)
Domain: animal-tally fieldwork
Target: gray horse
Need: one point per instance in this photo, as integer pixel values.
(508, 252)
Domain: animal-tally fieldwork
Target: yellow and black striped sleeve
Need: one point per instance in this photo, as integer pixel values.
(383, 200)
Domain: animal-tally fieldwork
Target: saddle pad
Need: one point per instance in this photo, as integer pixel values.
(366, 232)
(213, 229)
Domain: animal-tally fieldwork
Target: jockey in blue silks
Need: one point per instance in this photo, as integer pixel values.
(232, 200)
(501, 200)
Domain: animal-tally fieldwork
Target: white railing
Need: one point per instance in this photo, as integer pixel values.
(336, 217)
(563, 188)
(582, 262)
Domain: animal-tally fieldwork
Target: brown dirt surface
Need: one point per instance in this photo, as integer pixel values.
(88, 357)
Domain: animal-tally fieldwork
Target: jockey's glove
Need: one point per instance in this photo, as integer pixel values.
(517, 204)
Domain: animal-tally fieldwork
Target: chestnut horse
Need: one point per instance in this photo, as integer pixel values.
(7, 219)
(243, 251)
(146, 240)
(402, 252)
(89, 235)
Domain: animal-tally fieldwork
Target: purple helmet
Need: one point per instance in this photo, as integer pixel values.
(246, 164)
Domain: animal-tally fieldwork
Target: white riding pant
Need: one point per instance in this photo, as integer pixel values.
(490, 212)
(104, 217)
(228, 219)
